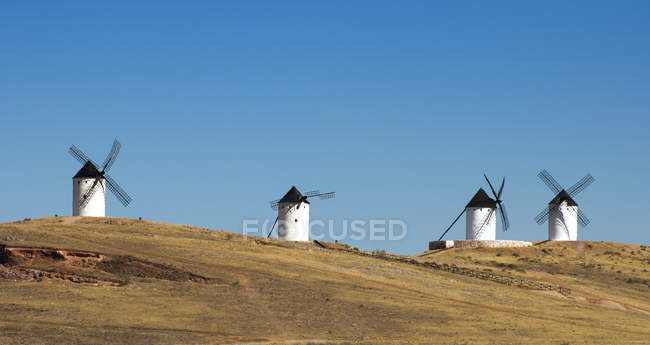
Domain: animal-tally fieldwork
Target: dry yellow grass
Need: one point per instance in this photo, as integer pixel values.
(291, 293)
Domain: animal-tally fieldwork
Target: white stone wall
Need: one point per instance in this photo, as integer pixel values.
(293, 221)
(563, 223)
(475, 217)
(96, 207)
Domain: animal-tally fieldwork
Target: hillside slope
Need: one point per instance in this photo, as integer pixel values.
(75, 280)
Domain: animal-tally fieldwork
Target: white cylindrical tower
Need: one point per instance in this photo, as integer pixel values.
(563, 218)
(81, 183)
(293, 221)
(563, 222)
(96, 206)
(479, 226)
(481, 220)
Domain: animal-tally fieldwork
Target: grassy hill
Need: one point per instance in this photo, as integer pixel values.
(70, 280)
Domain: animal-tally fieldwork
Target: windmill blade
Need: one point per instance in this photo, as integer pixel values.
(505, 222)
(270, 232)
(287, 205)
(542, 216)
(312, 193)
(329, 195)
(503, 182)
(582, 219)
(80, 156)
(580, 185)
(85, 199)
(110, 159)
(550, 182)
(115, 188)
(491, 188)
(275, 204)
(452, 224)
(484, 222)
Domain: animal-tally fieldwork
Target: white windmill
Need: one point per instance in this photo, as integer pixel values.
(89, 184)
(481, 215)
(293, 214)
(562, 212)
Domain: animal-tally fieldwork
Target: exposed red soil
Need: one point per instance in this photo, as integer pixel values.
(84, 267)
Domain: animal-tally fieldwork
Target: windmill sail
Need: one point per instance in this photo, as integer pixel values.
(90, 169)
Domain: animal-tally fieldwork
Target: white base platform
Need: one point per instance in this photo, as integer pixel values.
(477, 244)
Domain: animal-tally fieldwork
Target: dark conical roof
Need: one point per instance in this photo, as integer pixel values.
(88, 170)
(481, 199)
(563, 196)
(293, 195)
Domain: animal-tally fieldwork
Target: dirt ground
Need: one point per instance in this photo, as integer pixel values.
(120, 281)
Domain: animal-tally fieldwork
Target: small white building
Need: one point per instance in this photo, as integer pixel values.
(293, 216)
(563, 218)
(81, 183)
(481, 217)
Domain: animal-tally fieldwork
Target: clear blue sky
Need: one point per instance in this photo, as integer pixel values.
(399, 108)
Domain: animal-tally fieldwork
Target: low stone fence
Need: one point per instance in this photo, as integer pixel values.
(474, 273)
